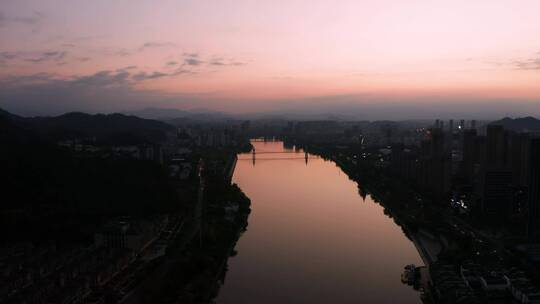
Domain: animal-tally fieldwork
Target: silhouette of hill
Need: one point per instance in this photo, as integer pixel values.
(519, 124)
(159, 113)
(10, 116)
(12, 129)
(100, 128)
(4, 114)
(179, 117)
(46, 186)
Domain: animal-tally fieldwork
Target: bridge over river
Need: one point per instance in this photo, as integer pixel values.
(278, 155)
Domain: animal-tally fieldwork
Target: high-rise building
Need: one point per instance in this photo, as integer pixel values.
(244, 126)
(519, 150)
(534, 189)
(495, 148)
(497, 192)
(469, 154)
(403, 162)
(439, 165)
(496, 177)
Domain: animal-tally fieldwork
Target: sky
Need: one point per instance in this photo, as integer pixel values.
(412, 58)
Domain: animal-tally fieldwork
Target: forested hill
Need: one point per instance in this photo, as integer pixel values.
(104, 129)
(100, 128)
(519, 124)
(45, 189)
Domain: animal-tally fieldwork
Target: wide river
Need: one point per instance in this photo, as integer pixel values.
(312, 238)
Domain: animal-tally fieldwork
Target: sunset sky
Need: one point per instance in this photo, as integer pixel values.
(250, 56)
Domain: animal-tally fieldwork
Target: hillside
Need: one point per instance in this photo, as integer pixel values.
(45, 186)
(100, 128)
(519, 124)
(181, 117)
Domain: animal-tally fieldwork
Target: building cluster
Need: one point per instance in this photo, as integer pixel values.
(178, 153)
(449, 287)
(490, 170)
(213, 136)
(473, 283)
(492, 175)
(218, 143)
(53, 273)
(367, 133)
(152, 152)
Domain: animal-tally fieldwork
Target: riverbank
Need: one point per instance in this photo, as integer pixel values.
(229, 168)
(403, 207)
(427, 243)
(191, 269)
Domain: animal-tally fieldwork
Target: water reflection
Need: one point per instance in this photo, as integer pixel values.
(312, 239)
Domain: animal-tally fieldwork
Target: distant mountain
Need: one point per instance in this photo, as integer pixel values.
(10, 116)
(158, 113)
(519, 124)
(164, 114)
(12, 131)
(4, 113)
(107, 129)
(104, 129)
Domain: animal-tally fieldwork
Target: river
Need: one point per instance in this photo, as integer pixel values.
(312, 238)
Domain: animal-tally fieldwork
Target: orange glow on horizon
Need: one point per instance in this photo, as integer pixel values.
(261, 51)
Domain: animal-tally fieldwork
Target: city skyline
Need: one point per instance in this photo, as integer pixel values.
(382, 59)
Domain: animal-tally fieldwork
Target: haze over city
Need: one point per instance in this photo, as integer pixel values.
(365, 59)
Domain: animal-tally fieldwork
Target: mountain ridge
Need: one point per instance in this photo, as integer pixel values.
(115, 128)
(527, 123)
